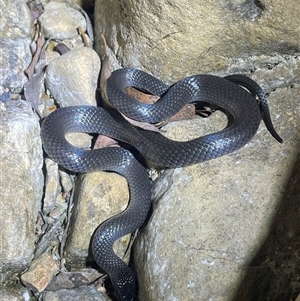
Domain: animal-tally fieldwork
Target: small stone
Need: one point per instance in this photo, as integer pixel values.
(80, 140)
(73, 279)
(52, 187)
(57, 212)
(40, 273)
(54, 228)
(85, 293)
(65, 181)
(72, 78)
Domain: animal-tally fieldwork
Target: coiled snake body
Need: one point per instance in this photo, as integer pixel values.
(225, 93)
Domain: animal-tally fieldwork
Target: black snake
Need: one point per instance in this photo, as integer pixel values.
(225, 93)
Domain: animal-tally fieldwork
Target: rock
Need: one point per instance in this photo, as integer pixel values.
(40, 273)
(52, 187)
(59, 210)
(21, 186)
(51, 55)
(271, 273)
(65, 181)
(73, 279)
(89, 25)
(211, 219)
(174, 39)
(99, 195)
(72, 78)
(279, 71)
(87, 293)
(14, 44)
(61, 21)
(8, 294)
(80, 140)
(219, 227)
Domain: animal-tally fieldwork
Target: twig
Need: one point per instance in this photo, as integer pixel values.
(105, 71)
(70, 206)
(82, 33)
(30, 70)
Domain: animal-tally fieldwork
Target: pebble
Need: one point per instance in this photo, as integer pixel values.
(72, 78)
(73, 279)
(52, 187)
(65, 181)
(40, 273)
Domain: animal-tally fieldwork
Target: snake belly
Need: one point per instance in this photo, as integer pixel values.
(225, 93)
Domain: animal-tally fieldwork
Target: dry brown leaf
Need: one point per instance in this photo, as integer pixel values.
(30, 70)
(140, 96)
(187, 112)
(32, 91)
(142, 125)
(35, 10)
(104, 141)
(33, 87)
(105, 71)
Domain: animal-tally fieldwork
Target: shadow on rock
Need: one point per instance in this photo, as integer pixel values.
(274, 273)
